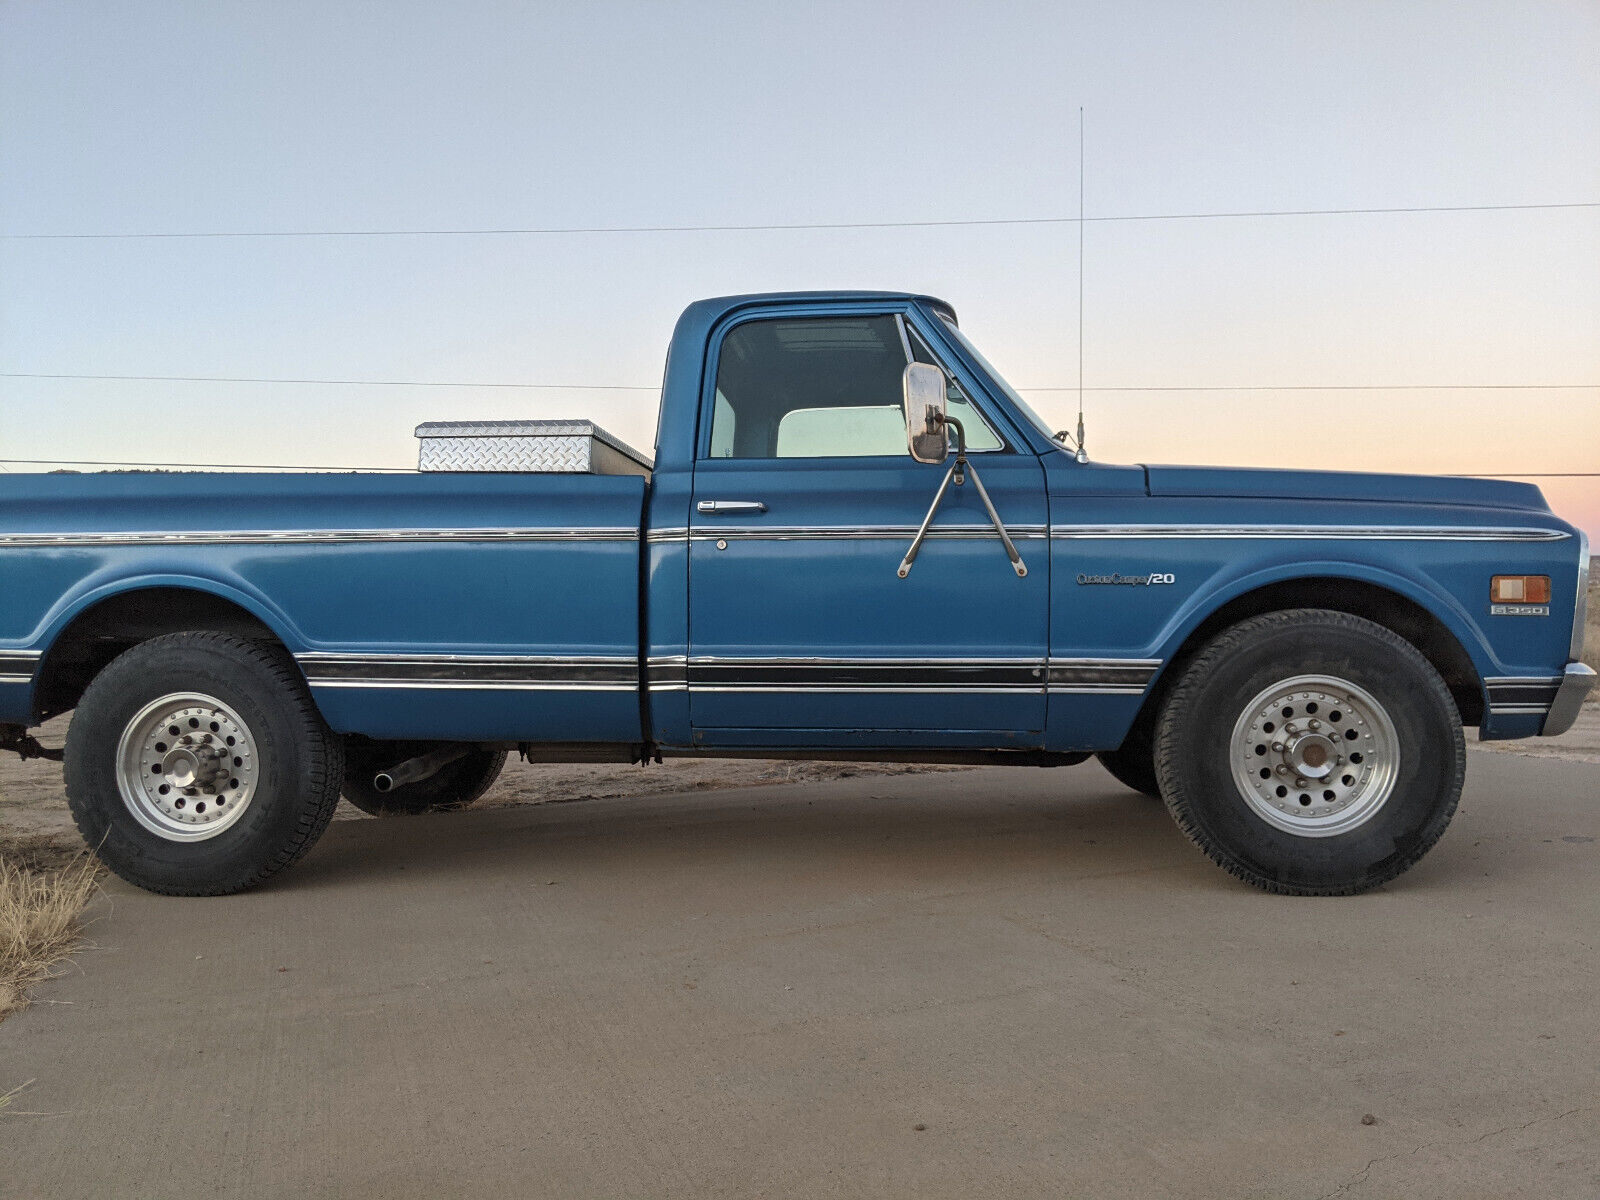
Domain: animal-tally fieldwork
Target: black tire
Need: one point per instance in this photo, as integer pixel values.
(297, 760)
(1133, 764)
(1197, 730)
(455, 786)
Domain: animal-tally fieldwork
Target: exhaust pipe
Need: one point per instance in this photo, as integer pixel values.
(424, 766)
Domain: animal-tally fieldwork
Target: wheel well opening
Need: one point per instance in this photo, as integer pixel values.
(1360, 599)
(103, 631)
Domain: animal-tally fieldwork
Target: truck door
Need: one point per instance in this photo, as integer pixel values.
(801, 632)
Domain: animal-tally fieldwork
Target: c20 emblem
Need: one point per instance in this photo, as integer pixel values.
(1167, 577)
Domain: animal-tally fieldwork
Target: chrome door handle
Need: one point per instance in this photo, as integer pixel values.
(730, 507)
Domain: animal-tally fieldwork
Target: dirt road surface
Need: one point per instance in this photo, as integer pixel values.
(999, 982)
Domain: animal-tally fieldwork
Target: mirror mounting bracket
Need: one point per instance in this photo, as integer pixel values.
(957, 474)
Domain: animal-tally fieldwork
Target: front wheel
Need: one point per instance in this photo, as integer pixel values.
(197, 764)
(1311, 753)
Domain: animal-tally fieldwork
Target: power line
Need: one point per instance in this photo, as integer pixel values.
(577, 387)
(798, 225)
(92, 462)
(639, 387)
(1330, 387)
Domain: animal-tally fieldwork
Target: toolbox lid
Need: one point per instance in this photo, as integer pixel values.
(540, 446)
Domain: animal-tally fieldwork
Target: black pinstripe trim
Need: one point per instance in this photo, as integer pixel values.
(1107, 676)
(504, 671)
(18, 666)
(1523, 694)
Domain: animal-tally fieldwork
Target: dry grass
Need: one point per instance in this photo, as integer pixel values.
(8, 1103)
(44, 886)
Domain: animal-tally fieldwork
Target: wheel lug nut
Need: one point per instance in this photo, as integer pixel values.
(1278, 746)
(1316, 724)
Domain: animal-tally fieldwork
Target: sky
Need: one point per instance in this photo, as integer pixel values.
(154, 117)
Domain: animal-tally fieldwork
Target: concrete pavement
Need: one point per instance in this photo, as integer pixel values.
(1004, 982)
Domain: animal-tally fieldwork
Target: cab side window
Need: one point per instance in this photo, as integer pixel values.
(815, 388)
(818, 387)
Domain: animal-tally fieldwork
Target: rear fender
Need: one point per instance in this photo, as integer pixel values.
(75, 604)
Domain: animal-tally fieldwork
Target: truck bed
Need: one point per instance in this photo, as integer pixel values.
(369, 580)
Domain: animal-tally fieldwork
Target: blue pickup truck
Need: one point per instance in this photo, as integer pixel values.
(855, 540)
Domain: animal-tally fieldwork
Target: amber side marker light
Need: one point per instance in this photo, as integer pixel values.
(1520, 589)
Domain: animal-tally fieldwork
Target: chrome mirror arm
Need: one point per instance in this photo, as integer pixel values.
(958, 472)
(999, 527)
(916, 542)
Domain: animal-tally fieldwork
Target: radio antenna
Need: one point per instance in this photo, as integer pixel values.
(1083, 455)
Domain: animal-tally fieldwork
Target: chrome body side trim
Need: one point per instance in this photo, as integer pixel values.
(314, 536)
(493, 672)
(905, 676)
(329, 656)
(1125, 672)
(816, 660)
(667, 672)
(776, 532)
(1106, 689)
(19, 666)
(897, 689)
(794, 533)
(488, 685)
(863, 675)
(1412, 533)
(1521, 692)
(1114, 532)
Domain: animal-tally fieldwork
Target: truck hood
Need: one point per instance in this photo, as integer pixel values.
(1343, 485)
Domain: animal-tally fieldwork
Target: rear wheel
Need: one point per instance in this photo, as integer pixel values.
(456, 785)
(197, 764)
(1311, 753)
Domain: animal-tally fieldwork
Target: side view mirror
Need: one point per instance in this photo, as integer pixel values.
(923, 387)
(926, 419)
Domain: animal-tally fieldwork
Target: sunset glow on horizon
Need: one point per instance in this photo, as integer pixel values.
(304, 117)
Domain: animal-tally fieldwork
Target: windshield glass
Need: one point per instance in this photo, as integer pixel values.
(1027, 413)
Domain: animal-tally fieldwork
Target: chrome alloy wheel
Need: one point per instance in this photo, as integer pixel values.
(1315, 755)
(186, 767)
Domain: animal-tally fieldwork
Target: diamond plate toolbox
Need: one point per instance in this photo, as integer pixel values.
(568, 447)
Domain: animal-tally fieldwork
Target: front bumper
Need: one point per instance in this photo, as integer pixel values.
(1576, 682)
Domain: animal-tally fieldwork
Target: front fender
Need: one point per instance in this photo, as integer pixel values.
(1229, 586)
